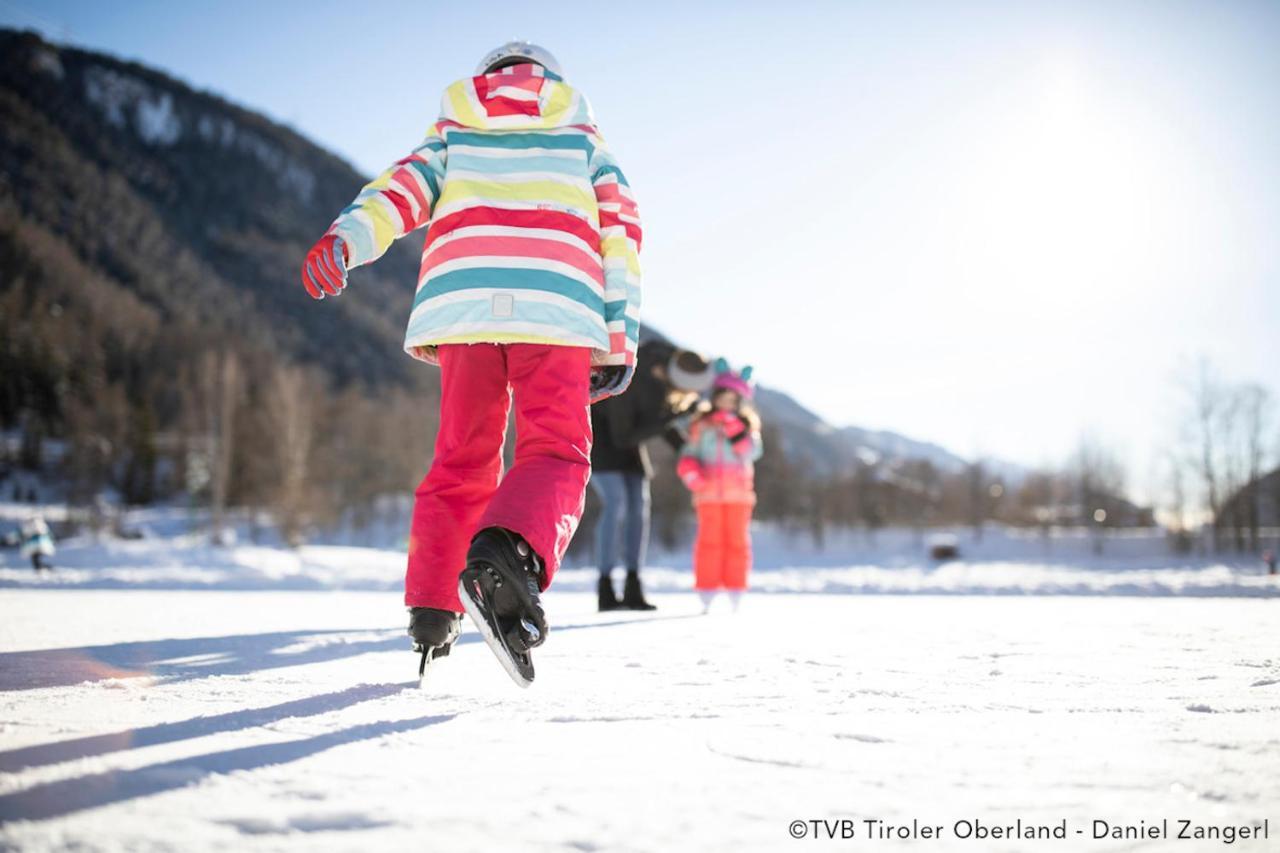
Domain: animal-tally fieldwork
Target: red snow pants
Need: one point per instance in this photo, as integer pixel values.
(722, 550)
(541, 498)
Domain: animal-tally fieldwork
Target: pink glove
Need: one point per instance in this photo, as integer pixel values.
(690, 473)
(733, 424)
(325, 269)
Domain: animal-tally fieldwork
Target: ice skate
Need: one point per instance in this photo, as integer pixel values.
(433, 632)
(500, 590)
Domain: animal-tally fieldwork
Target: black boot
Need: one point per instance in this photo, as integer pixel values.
(433, 632)
(633, 593)
(607, 598)
(500, 590)
(431, 627)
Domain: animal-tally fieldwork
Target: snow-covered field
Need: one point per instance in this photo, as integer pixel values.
(291, 720)
(1005, 562)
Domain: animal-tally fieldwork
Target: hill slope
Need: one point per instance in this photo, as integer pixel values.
(139, 206)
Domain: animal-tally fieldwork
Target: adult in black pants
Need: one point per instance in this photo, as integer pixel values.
(666, 385)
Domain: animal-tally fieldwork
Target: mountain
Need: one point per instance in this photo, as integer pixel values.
(135, 205)
(811, 438)
(814, 439)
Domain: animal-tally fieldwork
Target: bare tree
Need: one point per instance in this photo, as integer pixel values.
(220, 388)
(1255, 409)
(1036, 501)
(1243, 420)
(1231, 468)
(1205, 396)
(1099, 478)
(918, 491)
(978, 494)
(1176, 478)
(290, 411)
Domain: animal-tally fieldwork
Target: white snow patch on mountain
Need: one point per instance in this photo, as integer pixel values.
(46, 61)
(157, 122)
(122, 97)
(127, 102)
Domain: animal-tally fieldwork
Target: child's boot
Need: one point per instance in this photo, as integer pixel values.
(433, 632)
(500, 590)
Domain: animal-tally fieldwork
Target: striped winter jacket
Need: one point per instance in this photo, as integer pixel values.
(718, 461)
(533, 235)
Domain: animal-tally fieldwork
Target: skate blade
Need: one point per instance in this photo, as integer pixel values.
(427, 662)
(476, 612)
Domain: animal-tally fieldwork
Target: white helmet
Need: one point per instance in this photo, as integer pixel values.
(514, 52)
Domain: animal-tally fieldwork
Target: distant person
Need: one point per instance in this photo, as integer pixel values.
(718, 466)
(530, 282)
(666, 386)
(37, 543)
(1269, 557)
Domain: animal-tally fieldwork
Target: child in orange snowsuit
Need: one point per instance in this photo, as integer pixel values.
(718, 466)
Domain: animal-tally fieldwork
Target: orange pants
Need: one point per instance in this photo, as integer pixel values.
(722, 551)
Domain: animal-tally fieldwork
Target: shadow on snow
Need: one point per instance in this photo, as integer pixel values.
(57, 752)
(164, 658)
(57, 799)
(173, 660)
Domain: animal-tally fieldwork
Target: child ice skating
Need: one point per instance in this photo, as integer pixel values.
(37, 543)
(718, 466)
(529, 288)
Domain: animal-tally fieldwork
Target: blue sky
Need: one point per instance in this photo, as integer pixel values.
(992, 225)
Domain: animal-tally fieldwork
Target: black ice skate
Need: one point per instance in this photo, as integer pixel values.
(433, 632)
(499, 589)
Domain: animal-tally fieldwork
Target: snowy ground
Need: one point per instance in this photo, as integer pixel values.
(290, 720)
(175, 554)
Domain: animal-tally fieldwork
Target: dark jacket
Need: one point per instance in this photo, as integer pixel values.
(624, 423)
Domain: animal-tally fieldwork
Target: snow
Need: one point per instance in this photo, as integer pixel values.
(117, 94)
(176, 555)
(160, 694)
(126, 101)
(233, 720)
(47, 61)
(158, 124)
(220, 130)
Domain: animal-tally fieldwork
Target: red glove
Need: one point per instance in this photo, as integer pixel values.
(325, 269)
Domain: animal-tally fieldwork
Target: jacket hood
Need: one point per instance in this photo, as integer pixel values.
(519, 97)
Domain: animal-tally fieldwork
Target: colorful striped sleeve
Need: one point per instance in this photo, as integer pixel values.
(394, 203)
(620, 249)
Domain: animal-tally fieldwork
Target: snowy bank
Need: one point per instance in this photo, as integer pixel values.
(190, 563)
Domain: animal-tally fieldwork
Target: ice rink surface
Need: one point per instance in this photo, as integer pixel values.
(181, 720)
